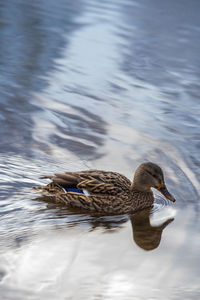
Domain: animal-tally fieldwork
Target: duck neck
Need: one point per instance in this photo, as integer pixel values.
(140, 188)
(142, 198)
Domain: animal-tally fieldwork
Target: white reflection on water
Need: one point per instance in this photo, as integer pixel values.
(161, 214)
(78, 264)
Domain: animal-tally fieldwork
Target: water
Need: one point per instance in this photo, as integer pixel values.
(89, 84)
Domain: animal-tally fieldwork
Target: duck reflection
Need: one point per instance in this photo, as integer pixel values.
(145, 235)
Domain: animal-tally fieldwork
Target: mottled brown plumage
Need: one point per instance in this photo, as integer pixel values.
(107, 192)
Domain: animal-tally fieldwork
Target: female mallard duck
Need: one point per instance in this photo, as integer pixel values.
(108, 192)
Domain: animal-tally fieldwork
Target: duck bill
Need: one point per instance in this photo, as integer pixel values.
(163, 190)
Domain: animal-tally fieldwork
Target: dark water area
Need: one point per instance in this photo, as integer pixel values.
(106, 85)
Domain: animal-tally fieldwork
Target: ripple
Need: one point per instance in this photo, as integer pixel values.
(162, 210)
(160, 203)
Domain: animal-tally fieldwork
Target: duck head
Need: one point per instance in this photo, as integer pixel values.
(149, 175)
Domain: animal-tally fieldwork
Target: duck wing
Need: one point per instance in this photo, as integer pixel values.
(94, 181)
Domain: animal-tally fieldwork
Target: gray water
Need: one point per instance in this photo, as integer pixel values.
(108, 85)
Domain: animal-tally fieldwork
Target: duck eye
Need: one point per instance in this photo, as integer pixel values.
(153, 175)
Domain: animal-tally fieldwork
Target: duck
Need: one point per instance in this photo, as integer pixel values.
(107, 192)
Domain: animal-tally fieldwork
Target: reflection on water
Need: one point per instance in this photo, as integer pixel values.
(145, 235)
(108, 85)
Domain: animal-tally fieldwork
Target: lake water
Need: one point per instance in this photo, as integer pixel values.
(108, 85)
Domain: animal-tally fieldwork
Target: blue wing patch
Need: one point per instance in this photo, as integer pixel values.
(74, 190)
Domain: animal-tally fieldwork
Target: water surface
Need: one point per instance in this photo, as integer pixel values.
(108, 85)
